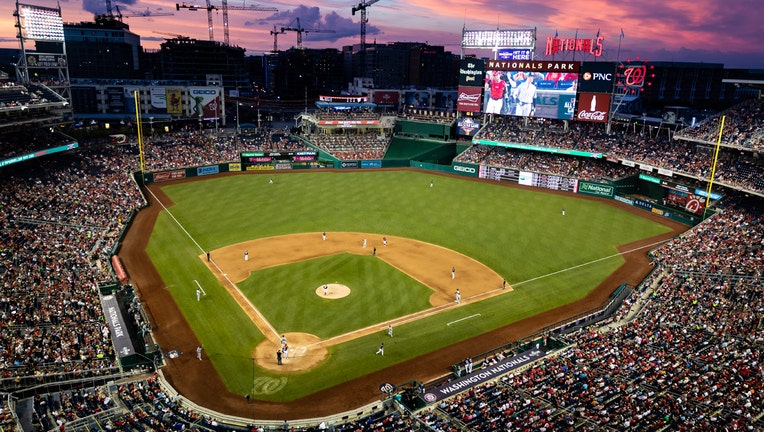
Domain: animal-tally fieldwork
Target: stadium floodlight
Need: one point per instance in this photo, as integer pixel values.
(40, 23)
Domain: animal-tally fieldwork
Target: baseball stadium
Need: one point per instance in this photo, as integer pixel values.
(549, 264)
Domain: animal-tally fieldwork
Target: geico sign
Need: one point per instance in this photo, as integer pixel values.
(464, 169)
(209, 92)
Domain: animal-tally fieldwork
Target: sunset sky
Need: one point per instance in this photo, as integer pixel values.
(726, 32)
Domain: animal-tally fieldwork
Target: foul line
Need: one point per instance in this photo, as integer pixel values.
(591, 262)
(214, 264)
(200, 287)
(462, 319)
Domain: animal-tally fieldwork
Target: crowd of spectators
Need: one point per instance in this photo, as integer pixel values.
(347, 146)
(14, 96)
(30, 140)
(330, 114)
(190, 148)
(561, 165)
(428, 115)
(60, 218)
(733, 168)
(690, 361)
(743, 126)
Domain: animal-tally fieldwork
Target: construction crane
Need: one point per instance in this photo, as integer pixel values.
(144, 14)
(110, 15)
(173, 35)
(276, 34)
(300, 30)
(362, 8)
(225, 8)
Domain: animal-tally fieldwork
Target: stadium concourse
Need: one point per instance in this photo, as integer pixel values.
(683, 353)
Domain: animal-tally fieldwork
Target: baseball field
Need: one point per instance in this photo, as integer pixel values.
(271, 272)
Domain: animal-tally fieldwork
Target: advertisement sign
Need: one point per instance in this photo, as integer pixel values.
(207, 170)
(387, 97)
(471, 72)
(169, 175)
(349, 164)
(130, 92)
(597, 77)
(371, 164)
(459, 385)
(205, 102)
(120, 336)
(115, 102)
(530, 94)
(596, 189)
(593, 107)
(468, 99)
(467, 126)
(514, 54)
(464, 169)
(158, 98)
(173, 100)
(46, 60)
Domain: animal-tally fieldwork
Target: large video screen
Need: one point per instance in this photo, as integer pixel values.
(530, 94)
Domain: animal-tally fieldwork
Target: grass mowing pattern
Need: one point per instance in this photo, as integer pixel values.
(290, 303)
(519, 233)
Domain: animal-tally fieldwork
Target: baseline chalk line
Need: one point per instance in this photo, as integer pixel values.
(462, 319)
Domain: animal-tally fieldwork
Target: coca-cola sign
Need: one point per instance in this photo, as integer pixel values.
(468, 99)
(593, 107)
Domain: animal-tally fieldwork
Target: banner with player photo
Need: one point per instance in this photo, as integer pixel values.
(173, 100)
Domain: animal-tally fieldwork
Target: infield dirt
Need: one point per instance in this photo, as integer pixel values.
(199, 382)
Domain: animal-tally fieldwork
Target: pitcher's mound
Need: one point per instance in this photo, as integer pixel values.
(333, 291)
(304, 353)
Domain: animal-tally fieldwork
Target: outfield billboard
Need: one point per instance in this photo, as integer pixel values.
(465, 169)
(596, 189)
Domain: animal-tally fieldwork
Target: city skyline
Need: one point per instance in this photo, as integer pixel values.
(679, 31)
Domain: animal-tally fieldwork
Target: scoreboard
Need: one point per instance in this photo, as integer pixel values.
(274, 157)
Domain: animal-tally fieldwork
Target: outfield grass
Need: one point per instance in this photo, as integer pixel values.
(519, 233)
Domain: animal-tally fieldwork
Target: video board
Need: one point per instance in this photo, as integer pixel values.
(531, 89)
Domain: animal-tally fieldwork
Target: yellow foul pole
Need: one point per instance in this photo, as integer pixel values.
(137, 100)
(713, 166)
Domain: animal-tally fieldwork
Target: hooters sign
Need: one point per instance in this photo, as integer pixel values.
(593, 107)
